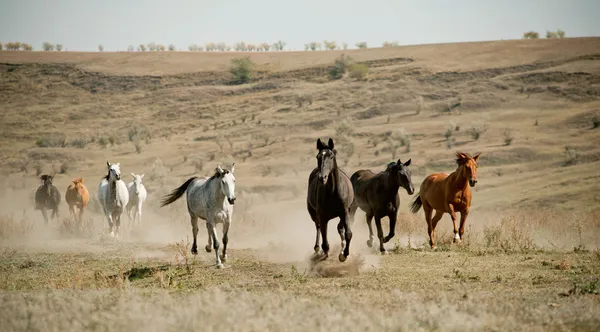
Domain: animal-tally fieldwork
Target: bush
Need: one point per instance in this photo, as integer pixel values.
(358, 71)
(330, 45)
(103, 142)
(130, 48)
(59, 47)
(508, 137)
(26, 47)
(79, 143)
(391, 44)
(362, 44)
(46, 46)
(101, 48)
(596, 121)
(571, 156)
(142, 48)
(1, 46)
(551, 34)
(560, 33)
(171, 47)
(478, 129)
(531, 35)
(241, 69)
(12, 46)
(339, 67)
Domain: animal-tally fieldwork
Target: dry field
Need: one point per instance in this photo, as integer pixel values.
(530, 260)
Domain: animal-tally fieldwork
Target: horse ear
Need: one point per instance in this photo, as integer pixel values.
(219, 170)
(107, 164)
(232, 168)
(406, 163)
(118, 164)
(142, 176)
(81, 180)
(133, 175)
(320, 145)
(330, 143)
(399, 162)
(477, 156)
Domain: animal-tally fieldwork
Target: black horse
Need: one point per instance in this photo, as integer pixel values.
(47, 197)
(329, 196)
(377, 195)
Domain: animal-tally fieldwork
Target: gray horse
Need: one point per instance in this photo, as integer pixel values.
(209, 199)
(47, 197)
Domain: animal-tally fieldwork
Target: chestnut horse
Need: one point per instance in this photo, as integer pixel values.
(78, 196)
(448, 194)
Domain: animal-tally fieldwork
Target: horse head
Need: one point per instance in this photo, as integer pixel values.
(403, 175)
(47, 182)
(468, 166)
(78, 185)
(114, 171)
(326, 161)
(227, 181)
(137, 182)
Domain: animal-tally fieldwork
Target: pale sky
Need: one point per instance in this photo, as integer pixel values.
(80, 25)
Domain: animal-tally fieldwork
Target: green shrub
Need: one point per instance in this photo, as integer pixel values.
(339, 67)
(241, 69)
(359, 71)
(531, 35)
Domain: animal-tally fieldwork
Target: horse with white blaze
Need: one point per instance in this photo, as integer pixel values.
(209, 199)
(137, 197)
(113, 196)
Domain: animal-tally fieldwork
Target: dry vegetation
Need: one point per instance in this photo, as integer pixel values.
(530, 259)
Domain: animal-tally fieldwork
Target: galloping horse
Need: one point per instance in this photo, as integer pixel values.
(330, 195)
(113, 196)
(137, 196)
(448, 194)
(47, 196)
(78, 196)
(377, 195)
(209, 199)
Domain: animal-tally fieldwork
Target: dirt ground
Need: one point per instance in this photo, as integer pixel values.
(530, 259)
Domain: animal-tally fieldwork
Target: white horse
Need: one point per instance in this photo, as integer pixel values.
(137, 196)
(113, 196)
(209, 199)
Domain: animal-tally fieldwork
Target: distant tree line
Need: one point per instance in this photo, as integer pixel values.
(549, 34)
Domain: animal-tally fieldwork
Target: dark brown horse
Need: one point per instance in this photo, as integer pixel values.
(448, 194)
(47, 197)
(377, 195)
(329, 196)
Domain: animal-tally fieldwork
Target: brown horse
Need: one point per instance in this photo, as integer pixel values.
(377, 195)
(78, 196)
(330, 195)
(47, 196)
(448, 194)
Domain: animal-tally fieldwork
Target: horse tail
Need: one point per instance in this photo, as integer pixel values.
(416, 204)
(175, 194)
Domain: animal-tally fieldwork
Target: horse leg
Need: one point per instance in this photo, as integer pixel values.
(325, 244)
(341, 231)
(213, 231)
(316, 247)
(45, 215)
(428, 209)
(208, 247)
(463, 219)
(370, 225)
(194, 221)
(348, 237)
(393, 216)
(453, 216)
(117, 218)
(110, 223)
(380, 235)
(226, 225)
(436, 218)
(72, 212)
(139, 214)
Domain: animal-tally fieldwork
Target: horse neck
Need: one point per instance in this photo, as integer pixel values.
(112, 190)
(215, 189)
(458, 178)
(390, 183)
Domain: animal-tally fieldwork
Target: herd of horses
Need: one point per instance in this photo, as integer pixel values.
(331, 194)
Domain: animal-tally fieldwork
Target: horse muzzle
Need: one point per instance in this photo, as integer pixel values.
(472, 182)
(323, 179)
(410, 190)
(231, 200)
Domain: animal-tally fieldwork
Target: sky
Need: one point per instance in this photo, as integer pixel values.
(81, 25)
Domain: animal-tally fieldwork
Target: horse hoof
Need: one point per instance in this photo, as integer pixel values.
(112, 234)
(194, 251)
(317, 250)
(342, 258)
(369, 243)
(223, 258)
(433, 247)
(220, 266)
(384, 252)
(387, 239)
(208, 248)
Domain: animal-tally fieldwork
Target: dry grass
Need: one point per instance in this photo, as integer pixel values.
(529, 259)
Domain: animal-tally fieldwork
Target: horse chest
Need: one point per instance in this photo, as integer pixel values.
(460, 200)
